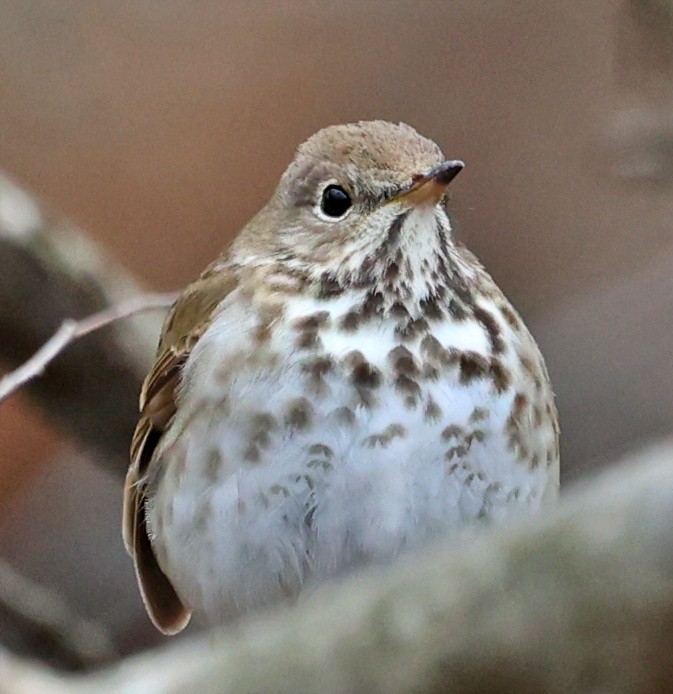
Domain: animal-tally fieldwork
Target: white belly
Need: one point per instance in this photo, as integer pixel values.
(280, 481)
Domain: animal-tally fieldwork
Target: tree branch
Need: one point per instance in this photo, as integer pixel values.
(72, 330)
(53, 273)
(581, 601)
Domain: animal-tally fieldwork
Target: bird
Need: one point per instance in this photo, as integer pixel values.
(344, 383)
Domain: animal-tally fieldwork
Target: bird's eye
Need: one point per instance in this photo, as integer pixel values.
(335, 201)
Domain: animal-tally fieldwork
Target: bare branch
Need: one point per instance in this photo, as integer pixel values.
(52, 273)
(72, 330)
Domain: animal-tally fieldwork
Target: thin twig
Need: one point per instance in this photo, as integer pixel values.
(72, 330)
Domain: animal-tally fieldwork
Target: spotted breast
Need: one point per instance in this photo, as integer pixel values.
(359, 385)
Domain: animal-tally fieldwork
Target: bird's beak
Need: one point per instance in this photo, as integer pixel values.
(428, 188)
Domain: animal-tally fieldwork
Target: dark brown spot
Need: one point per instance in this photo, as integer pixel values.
(451, 357)
(366, 375)
(430, 372)
(472, 366)
(308, 517)
(320, 449)
(457, 310)
(318, 367)
(309, 340)
(364, 397)
(312, 322)
(391, 432)
(307, 479)
(279, 489)
(530, 367)
(299, 413)
(350, 321)
(431, 309)
(431, 348)
(213, 466)
(500, 375)
(411, 329)
(372, 305)
(537, 416)
(395, 229)
(436, 355)
(392, 272)
(432, 411)
(261, 438)
(455, 452)
(268, 314)
(329, 287)
(345, 416)
(262, 332)
(375, 440)
(478, 414)
(399, 310)
(511, 317)
(477, 435)
(396, 430)
(265, 420)
(516, 411)
(402, 361)
(363, 374)
(492, 328)
(453, 431)
(251, 453)
(315, 371)
(407, 386)
(320, 463)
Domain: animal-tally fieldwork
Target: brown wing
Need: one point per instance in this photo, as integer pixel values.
(186, 322)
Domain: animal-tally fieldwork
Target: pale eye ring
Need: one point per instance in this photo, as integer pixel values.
(335, 202)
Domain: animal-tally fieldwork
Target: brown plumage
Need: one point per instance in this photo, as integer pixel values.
(186, 322)
(345, 381)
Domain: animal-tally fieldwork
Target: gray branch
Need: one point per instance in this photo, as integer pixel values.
(580, 601)
(50, 273)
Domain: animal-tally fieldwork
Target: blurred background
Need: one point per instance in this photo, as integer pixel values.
(158, 128)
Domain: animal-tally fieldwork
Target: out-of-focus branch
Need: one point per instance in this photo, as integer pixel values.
(644, 50)
(581, 601)
(36, 621)
(72, 330)
(638, 145)
(50, 273)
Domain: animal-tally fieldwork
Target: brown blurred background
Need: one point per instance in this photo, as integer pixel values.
(160, 127)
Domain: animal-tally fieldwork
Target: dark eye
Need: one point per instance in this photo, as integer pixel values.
(335, 201)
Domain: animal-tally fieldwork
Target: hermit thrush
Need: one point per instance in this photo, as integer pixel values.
(343, 383)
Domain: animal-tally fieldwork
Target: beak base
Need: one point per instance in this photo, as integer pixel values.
(430, 186)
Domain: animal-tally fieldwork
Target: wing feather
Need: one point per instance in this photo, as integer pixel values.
(184, 325)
